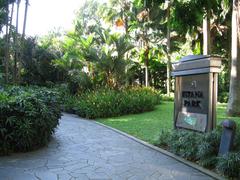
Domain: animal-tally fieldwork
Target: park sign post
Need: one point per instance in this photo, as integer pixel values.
(196, 80)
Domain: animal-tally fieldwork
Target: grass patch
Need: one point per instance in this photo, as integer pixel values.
(147, 126)
(221, 113)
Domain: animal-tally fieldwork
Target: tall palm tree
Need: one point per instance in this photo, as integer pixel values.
(143, 18)
(234, 89)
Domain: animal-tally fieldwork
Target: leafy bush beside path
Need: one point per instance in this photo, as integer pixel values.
(28, 117)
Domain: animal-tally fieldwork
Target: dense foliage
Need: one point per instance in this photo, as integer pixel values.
(111, 102)
(116, 43)
(203, 149)
(28, 117)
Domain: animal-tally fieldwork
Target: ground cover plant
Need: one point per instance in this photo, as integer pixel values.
(28, 117)
(201, 148)
(108, 102)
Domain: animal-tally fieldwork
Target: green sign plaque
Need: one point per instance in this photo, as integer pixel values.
(193, 121)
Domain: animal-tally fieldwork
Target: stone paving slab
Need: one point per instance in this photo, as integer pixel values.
(82, 149)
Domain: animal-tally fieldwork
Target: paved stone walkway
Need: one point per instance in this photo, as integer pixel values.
(82, 149)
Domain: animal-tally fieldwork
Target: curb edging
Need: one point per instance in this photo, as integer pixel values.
(188, 163)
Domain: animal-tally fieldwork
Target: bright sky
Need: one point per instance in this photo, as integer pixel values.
(45, 15)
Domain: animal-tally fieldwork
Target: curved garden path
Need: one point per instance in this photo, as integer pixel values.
(82, 149)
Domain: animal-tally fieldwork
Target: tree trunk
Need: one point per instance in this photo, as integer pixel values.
(168, 53)
(206, 35)
(7, 48)
(146, 69)
(17, 15)
(8, 36)
(10, 24)
(16, 43)
(238, 20)
(146, 46)
(126, 25)
(233, 108)
(25, 18)
(21, 59)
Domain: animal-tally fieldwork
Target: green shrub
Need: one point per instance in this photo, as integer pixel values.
(28, 117)
(163, 140)
(109, 102)
(184, 144)
(229, 165)
(208, 148)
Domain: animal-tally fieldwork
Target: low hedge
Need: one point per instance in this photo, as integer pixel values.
(109, 102)
(28, 117)
(203, 149)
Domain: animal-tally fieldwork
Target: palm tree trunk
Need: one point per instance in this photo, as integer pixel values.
(234, 89)
(16, 43)
(7, 47)
(125, 19)
(22, 38)
(168, 52)
(206, 35)
(25, 18)
(146, 46)
(238, 20)
(8, 36)
(11, 18)
(146, 53)
(21, 60)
